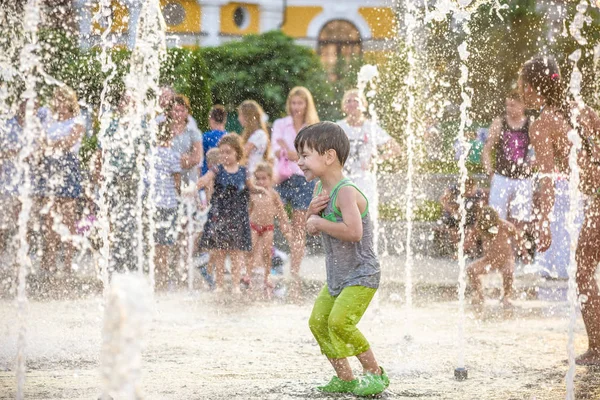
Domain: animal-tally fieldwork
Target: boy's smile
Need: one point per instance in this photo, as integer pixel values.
(311, 163)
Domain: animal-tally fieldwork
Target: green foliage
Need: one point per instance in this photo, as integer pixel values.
(566, 45)
(424, 211)
(500, 47)
(63, 61)
(190, 76)
(264, 68)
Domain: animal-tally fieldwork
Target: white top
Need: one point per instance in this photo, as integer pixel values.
(61, 129)
(166, 165)
(364, 141)
(260, 140)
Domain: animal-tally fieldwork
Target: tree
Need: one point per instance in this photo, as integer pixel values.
(264, 68)
(187, 72)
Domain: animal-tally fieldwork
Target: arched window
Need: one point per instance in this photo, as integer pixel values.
(339, 41)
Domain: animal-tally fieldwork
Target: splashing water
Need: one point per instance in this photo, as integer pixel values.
(574, 195)
(368, 76)
(29, 62)
(410, 21)
(125, 319)
(104, 117)
(143, 84)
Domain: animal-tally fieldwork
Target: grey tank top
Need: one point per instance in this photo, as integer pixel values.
(349, 263)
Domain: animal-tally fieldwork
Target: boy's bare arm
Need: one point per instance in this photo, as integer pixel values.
(544, 154)
(490, 143)
(350, 228)
(177, 179)
(317, 204)
(206, 180)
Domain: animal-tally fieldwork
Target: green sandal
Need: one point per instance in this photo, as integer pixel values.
(372, 384)
(337, 385)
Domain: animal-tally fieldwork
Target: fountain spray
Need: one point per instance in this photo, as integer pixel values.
(579, 20)
(410, 21)
(143, 84)
(29, 62)
(125, 319)
(105, 119)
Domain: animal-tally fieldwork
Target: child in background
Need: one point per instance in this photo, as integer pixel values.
(213, 159)
(167, 188)
(340, 212)
(498, 239)
(227, 231)
(255, 138)
(264, 207)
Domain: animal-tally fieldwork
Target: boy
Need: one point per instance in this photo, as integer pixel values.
(342, 218)
(264, 208)
(498, 237)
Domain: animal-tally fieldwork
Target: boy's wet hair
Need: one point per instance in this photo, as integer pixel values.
(324, 136)
(218, 114)
(487, 218)
(264, 167)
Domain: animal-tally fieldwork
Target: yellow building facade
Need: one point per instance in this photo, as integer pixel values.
(333, 28)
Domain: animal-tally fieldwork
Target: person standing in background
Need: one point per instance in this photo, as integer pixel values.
(511, 189)
(217, 118)
(292, 186)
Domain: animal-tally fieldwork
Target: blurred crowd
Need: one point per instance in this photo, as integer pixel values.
(198, 197)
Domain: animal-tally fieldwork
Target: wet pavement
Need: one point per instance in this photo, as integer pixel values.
(222, 346)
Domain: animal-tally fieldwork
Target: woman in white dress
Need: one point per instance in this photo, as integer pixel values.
(367, 141)
(255, 138)
(59, 183)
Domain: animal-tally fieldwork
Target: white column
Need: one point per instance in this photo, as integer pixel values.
(85, 23)
(135, 8)
(211, 22)
(271, 16)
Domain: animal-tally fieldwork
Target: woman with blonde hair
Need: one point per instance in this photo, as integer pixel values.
(292, 186)
(59, 184)
(254, 136)
(367, 139)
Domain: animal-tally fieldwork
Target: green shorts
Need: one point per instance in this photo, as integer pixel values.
(333, 321)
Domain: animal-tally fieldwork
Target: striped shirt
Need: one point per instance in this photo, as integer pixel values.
(167, 164)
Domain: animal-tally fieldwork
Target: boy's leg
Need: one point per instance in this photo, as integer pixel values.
(266, 243)
(368, 362)
(160, 265)
(588, 257)
(298, 246)
(348, 309)
(507, 270)
(218, 261)
(474, 270)
(251, 256)
(347, 340)
(237, 259)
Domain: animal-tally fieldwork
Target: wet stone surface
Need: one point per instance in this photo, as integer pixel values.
(224, 346)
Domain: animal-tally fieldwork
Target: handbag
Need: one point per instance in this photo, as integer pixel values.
(284, 167)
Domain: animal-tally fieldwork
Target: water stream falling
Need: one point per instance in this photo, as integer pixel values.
(28, 62)
(368, 77)
(142, 83)
(108, 67)
(125, 318)
(410, 22)
(574, 195)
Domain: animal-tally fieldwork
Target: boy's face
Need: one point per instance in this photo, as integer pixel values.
(312, 163)
(262, 179)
